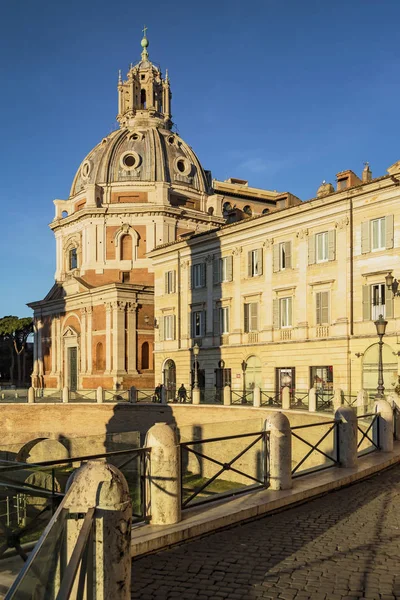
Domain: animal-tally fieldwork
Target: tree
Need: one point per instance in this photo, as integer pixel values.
(14, 331)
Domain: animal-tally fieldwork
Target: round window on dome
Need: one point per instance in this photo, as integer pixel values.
(85, 169)
(130, 160)
(247, 211)
(182, 166)
(171, 139)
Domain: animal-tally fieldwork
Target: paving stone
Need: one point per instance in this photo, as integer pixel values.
(342, 546)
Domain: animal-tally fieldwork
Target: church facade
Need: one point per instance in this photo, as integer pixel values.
(141, 187)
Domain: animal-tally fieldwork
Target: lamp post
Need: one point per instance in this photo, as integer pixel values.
(380, 325)
(392, 284)
(196, 389)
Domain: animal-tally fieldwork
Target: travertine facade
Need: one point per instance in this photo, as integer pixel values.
(140, 187)
(288, 298)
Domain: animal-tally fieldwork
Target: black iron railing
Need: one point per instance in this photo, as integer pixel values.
(368, 434)
(299, 400)
(315, 447)
(242, 396)
(204, 489)
(324, 400)
(271, 398)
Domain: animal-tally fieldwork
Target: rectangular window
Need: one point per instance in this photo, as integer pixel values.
(198, 275)
(285, 312)
(322, 378)
(224, 320)
(282, 256)
(225, 270)
(255, 263)
(378, 234)
(169, 322)
(321, 246)
(322, 308)
(125, 276)
(197, 324)
(73, 259)
(170, 282)
(378, 304)
(250, 317)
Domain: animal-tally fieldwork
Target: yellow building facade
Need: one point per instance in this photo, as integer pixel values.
(288, 298)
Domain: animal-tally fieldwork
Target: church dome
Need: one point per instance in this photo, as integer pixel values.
(144, 148)
(144, 153)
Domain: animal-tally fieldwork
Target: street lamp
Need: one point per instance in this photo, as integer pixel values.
(392, 284)
(380, 325)
(196, 351)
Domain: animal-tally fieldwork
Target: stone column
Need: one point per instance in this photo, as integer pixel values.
(97, 484)
(384, 427)
(40, 350)
(53, 346)
(337, 399)
(118, 335)
(83, 340)
(108, 337)
(347, 436)
(209, 288)
(89, 368)
(132, 337)
(280, 451)
(164, 479)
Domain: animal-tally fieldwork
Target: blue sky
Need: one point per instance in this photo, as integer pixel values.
(283, 93)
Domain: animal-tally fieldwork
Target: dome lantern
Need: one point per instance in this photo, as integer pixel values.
(145, 95)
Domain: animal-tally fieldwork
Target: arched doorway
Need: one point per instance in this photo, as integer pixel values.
(253, 372)
(169, 374)
(370, 368)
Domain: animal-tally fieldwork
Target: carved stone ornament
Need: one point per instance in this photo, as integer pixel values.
(342, 223)
(209, 259)
(268, 243)
(302, 233)
(237, 250)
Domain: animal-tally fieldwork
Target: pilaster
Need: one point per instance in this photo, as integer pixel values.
(108, 337)
(132, 337)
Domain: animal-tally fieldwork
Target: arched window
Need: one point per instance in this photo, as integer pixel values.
(126, 247)
(210, 210)
(247, 210)
(73, 258)
(145, 355)
(143, 99)
(226, 208)
(265, 211)
(99, 357)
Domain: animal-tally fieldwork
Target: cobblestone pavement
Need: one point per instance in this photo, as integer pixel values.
(343, 546)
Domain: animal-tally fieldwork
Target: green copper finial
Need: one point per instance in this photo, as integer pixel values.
(144, 44)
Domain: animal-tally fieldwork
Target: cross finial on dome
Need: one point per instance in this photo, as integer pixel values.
(144, 44)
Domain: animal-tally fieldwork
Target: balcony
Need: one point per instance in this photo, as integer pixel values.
(252, 337)
(322, 331)
(286, 334)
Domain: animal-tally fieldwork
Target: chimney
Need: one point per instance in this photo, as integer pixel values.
(367, 173)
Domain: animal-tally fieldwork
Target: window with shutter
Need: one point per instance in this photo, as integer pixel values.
(331, 244)
(275, 258)
(250, 317)
(322, 308)
(216, 326)
(365, 238)
(288, 254)
(378, 234)
(389, 232)
(229, 268)
(170, 282)
(321, 247)
(366, 302)
(285, 312)
(246, 318)
(311, 250)
(169, 327)
(255, 263)
(224, 319)
(216, 271)
(198, 275)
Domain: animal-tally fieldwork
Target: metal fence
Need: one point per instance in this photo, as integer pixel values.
(221, 467)
(271, 398)
(367, 433)
(319, 447)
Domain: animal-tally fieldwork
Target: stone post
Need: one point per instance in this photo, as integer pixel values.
(257, 397)
(132, 395)
(384, 428)
(280, 451)
(65, 394)
(285, 398)
(163, 395)
(337, 400)
(346, 437)
(31, 395)
(196, 395)
(362, 399)
(97, 484)
(394, 400)
(227, 395)
(312, 400)
(164, 475)
(99, 395)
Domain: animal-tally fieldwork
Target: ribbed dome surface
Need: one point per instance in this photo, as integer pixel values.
(146, 153)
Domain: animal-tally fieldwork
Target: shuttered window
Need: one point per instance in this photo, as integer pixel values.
(282, 256)
(255, 266)
(198, 324)
(251, 317)
(169, 327)
(322, 308)
(170, 282)
(377, 234)
(285, 312)
(198, 276)
(222, 269)
(377, 300)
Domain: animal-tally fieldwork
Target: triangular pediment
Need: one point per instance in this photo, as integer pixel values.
(70, 332)
(394, 169)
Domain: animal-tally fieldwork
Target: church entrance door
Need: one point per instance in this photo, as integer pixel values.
(73, 368)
